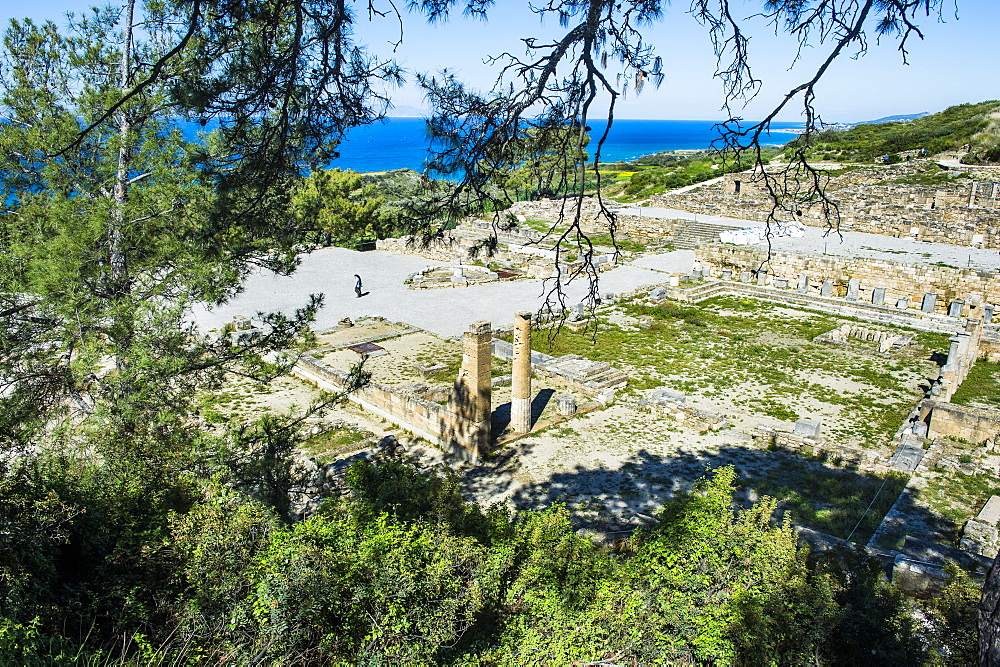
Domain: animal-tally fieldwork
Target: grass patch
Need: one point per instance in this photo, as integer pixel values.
(830, 500)
(725, 347)
(981, 386)
(957, 497)
(328, 446)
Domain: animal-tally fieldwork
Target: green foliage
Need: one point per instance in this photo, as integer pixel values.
(396, 488)
(869, 609)
(546, 161)
(948, 130)
(955, 619)
(339, 209)
(750, 582)
(653, 174)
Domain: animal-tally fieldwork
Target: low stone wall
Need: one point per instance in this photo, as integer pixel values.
(431, 421)
(912, 319)
(897, 279)
(649, 229)
(956, 421)
(871, 200)
(444, 249)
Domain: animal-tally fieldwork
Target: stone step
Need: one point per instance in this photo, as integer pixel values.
(694, 233)
(610, 378)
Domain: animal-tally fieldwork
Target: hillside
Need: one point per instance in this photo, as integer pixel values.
(897, 118)
(970, 129)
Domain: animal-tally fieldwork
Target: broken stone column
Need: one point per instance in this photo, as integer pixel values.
(927, 305)
(520, 402)
(903, 303)
(853, 287)
(566, 405)
(803, 285)
(878, 296)
(987, 313)
(827, 288)
(472, 397)
(955, 308)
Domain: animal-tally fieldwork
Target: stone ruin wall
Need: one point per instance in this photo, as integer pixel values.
(443, 249)
(899, 280)
(967, 423)
(462, 427)
(640, 227)
(959, 215)
(429, 420)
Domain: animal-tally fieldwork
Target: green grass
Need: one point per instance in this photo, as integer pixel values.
(328, 446)
(981, 386)
(725, 343)
(832, 500)
(958, 497)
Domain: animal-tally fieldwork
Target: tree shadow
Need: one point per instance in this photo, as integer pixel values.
(831, 502)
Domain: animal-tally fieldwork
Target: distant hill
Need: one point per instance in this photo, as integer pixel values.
(898, 118)
(972, 128)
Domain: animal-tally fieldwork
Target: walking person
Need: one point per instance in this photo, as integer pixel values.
(357, 285)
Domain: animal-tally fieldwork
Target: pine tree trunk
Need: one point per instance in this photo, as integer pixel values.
(117, 253)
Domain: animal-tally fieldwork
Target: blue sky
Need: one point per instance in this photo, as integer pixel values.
(955, 62)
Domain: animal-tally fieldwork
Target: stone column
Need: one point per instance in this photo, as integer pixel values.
(520, 402)
(853, 288)
(954, 353)
(472, 397)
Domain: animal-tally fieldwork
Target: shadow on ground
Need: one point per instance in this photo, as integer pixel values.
(832, 500)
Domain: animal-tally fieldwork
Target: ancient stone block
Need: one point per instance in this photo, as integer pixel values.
(827, 288)
(807, 428)
(878, 296)
(955, 308)
(928, 302)
(991, 511)
(853, 289)
(903, 303)
(566, 404)
(918, 578)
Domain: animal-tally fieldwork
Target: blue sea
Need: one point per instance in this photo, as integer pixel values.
(401, 142)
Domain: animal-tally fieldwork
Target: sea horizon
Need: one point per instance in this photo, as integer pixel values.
(400, 142)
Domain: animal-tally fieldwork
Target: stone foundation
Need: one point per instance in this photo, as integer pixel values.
(900, 281)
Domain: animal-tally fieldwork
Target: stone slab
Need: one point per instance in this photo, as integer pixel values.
(991, 511)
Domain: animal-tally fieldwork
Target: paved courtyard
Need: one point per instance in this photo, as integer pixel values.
(445, 311)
